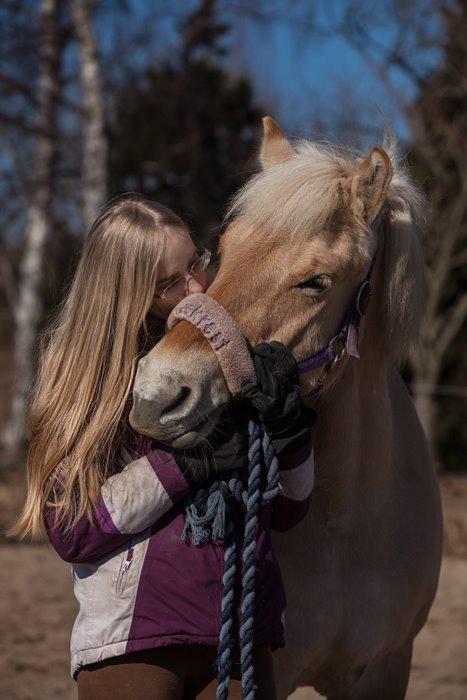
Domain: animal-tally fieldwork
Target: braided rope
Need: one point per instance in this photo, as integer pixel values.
(249, 547)
(224, 648)
(207, 517)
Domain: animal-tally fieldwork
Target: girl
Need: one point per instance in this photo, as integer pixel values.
(111, 501)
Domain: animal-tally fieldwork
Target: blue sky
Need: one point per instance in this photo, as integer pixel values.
(301, 76)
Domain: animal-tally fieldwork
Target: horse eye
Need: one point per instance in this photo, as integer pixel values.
(317, 284)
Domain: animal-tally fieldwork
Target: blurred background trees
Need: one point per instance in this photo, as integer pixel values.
(439, 156)
(184, 131)
(164, 98)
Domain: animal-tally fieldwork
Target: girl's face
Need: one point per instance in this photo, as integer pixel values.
(177, 258)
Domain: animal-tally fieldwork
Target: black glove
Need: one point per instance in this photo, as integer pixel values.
(226, 449)
(276, 396)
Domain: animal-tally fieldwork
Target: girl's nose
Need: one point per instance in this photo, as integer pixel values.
(194, 286)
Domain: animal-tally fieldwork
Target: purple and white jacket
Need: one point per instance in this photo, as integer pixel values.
(139, 586)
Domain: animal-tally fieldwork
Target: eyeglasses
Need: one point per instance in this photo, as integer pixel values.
(179, 285)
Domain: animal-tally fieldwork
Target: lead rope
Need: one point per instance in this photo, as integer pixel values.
(207, 517)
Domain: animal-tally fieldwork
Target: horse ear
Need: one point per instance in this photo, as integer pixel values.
(274, 148)
(370, 183)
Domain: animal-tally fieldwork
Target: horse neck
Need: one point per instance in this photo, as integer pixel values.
(352, 442)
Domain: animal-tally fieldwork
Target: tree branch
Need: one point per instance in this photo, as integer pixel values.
(453, 324)
(448, 234)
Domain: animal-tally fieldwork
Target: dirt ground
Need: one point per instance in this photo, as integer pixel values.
(37, 609)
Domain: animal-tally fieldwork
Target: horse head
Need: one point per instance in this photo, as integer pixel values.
(302, 235)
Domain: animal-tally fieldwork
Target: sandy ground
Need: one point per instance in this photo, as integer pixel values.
(37, 609)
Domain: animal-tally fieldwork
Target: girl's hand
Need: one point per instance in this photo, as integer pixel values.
(276, 396)
(226, 449)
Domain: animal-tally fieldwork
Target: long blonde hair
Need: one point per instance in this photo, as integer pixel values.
(87, 362)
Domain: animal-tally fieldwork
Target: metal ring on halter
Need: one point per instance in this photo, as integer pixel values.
(332, 362)
(341, 353)
(363, 298)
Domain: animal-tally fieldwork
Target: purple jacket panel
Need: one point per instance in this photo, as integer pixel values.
(164, 487)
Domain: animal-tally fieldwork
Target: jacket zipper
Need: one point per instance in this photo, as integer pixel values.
(121, 578)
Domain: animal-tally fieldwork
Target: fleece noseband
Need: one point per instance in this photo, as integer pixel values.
(222, 333)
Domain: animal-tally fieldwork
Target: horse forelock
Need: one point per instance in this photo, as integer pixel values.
(297, 197)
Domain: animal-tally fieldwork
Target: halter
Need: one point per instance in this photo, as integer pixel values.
(346, 341)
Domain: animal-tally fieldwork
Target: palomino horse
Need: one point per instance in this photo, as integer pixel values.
(361, 569)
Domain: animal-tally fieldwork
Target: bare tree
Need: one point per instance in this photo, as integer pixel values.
(94, 138)
(442, 321)
(28, 306)
(437, 122)
(440, 152)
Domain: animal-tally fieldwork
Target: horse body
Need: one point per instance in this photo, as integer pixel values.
(361, 569)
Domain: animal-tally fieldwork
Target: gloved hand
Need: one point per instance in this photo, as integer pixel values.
(226, 449)
(276, 396)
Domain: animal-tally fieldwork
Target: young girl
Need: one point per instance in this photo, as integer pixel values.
(111, 501)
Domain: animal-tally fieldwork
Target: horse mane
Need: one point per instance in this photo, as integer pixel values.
(401, 270)
(306, 193)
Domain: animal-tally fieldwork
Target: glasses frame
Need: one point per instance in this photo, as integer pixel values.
(204, 256)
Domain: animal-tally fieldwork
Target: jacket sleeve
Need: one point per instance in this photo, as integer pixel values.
(296, 480)
(129, 502)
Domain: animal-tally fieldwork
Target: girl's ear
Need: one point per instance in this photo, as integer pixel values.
(370, 183)
(274, 147)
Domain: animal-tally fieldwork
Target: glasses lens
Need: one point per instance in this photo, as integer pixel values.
(202, 262)
(174, 288)
(178, 286)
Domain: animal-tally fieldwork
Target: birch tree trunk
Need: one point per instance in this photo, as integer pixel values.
(94, 139)
(28, 307)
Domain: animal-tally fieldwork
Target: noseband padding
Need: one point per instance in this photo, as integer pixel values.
(222, 333)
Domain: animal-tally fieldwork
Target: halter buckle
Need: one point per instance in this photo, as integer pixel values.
(363, 298)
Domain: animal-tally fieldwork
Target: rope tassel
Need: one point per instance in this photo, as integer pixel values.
(207, 517)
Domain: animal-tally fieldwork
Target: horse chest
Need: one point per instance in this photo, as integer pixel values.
(342, 611)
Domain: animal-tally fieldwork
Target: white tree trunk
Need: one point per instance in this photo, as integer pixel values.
(28, 308)
(94, 139)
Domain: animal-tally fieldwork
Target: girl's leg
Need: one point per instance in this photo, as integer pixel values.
(133, 676)
(171, 673)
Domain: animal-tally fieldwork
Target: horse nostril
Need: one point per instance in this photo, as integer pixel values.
(181, 397)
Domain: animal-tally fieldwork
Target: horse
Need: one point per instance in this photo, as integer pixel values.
(361, 569)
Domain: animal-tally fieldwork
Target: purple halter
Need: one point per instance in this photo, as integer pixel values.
(346, 341)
